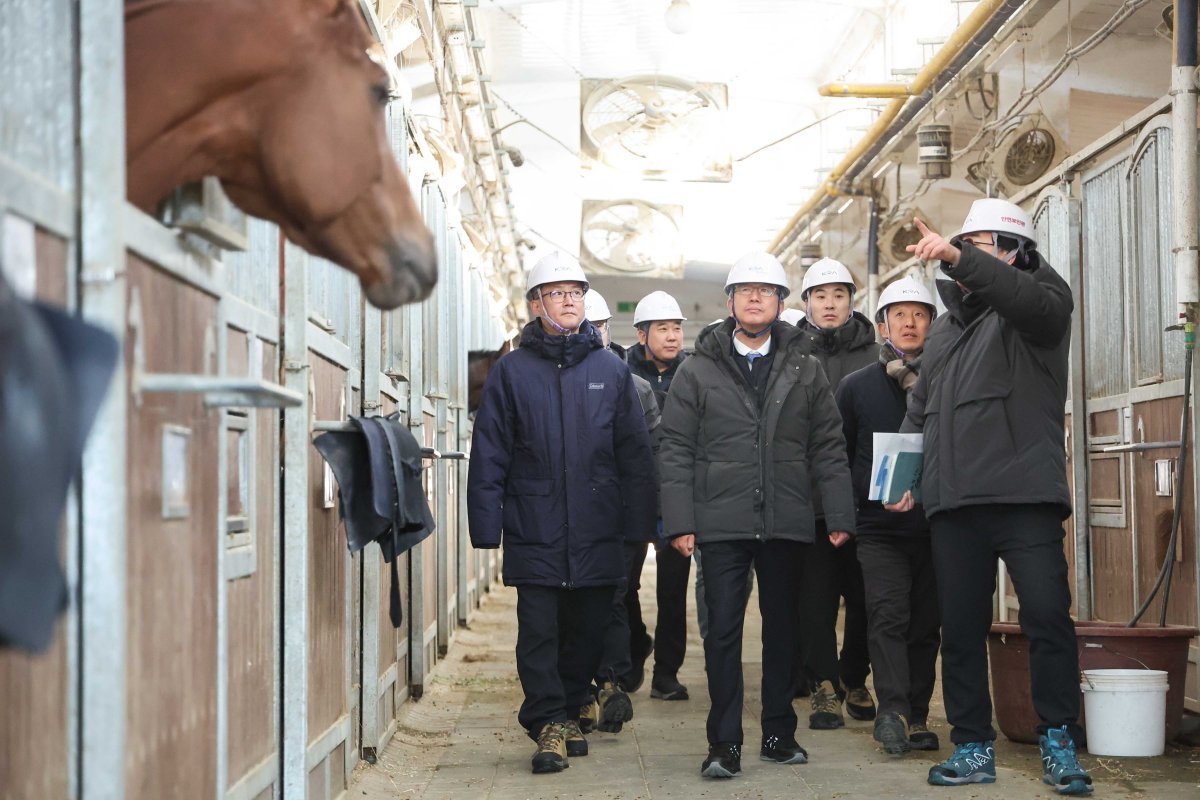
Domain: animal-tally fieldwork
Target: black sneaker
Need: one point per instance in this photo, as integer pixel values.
(892, 733)
(615, 708)
(724, 761)
(667, 689)
(782, 751)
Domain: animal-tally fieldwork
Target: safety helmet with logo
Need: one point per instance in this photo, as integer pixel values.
(655, 307)
(905, 290)
(595, 309)
(993, 215)
(758, 268)
(792, 316)
(553, 268)
(827, 270)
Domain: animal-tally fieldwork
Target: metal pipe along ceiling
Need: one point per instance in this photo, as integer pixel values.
(976, 31)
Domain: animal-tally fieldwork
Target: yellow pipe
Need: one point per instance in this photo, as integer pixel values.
(959, 39)
(865, 90)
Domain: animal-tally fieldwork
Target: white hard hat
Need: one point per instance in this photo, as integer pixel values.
(657, 306)
(792, 316)
(595, 309)
(993, 215)
(827, 270)
(554, 268)
(905, 290)
(758, 268)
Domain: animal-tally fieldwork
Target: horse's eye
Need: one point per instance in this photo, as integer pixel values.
(382, 93)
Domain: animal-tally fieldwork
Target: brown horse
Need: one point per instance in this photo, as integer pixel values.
(281, 101)
(479, 364)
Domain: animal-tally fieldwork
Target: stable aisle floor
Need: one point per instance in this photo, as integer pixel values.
(462, 741)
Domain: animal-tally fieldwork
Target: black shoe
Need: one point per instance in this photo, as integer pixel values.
(892, 733)
(633, 680)
(724, 761)
(782, 751)
(667, 689)
(921, 738)
(615, 708)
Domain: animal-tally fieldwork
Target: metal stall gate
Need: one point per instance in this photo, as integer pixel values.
(40, 247)
(1133, 385)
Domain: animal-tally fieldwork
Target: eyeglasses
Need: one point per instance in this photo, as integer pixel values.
(557, 295)
(762, 291)
(978, 243)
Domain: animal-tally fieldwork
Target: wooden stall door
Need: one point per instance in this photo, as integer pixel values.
(172, 497)
(34, 687)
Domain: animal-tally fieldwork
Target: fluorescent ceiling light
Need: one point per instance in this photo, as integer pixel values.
(845, 205)
(884, 167)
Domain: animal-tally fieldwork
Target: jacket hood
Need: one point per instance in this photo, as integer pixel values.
(637, 355)
(568, 350)
(856, 333)
(618, 349)
(716, 341)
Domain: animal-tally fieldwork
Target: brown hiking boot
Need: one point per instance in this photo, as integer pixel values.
(859, 703)
(826, 708)
(576, 744)
(589, 715)
(921, 738)
(615, 708)
(551, 755)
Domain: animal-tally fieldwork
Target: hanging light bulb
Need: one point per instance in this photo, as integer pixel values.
(680, 16)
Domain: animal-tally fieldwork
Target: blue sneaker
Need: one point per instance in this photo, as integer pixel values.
(1060, 767)
(972, 762)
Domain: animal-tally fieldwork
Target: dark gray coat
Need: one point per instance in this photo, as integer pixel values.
(993, 387)
(735, 468)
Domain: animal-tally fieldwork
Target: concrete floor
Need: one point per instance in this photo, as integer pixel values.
(461, 740)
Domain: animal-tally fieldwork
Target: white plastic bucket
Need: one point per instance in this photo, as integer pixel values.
(1126, 711)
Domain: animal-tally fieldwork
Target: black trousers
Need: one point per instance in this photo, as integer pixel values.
(831, 573)
(727, 565)
(902, 621)
(670, 632)
(558, 650)
(966, 543)
(625, 625)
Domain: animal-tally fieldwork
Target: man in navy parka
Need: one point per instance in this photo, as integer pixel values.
(561, 472)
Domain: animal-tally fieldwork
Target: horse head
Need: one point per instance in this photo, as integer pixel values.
(283, 103)
(479, 364)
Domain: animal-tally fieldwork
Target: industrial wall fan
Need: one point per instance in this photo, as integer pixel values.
(1023, 155)
(899, 235)
(631, 237)
(656, 126)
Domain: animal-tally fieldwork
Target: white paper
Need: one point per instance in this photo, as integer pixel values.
(889, 444)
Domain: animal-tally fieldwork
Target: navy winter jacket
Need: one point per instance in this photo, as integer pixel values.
(561, 469)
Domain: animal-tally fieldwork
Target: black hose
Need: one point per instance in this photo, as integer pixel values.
(1168, 567)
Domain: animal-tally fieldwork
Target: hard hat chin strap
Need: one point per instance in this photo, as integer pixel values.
(546, 316)
(738, 328)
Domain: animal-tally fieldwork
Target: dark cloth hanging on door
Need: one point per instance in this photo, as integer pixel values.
(54, 373)
(378, 471)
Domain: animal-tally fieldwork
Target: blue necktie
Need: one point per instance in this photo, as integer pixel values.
(750, 358)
